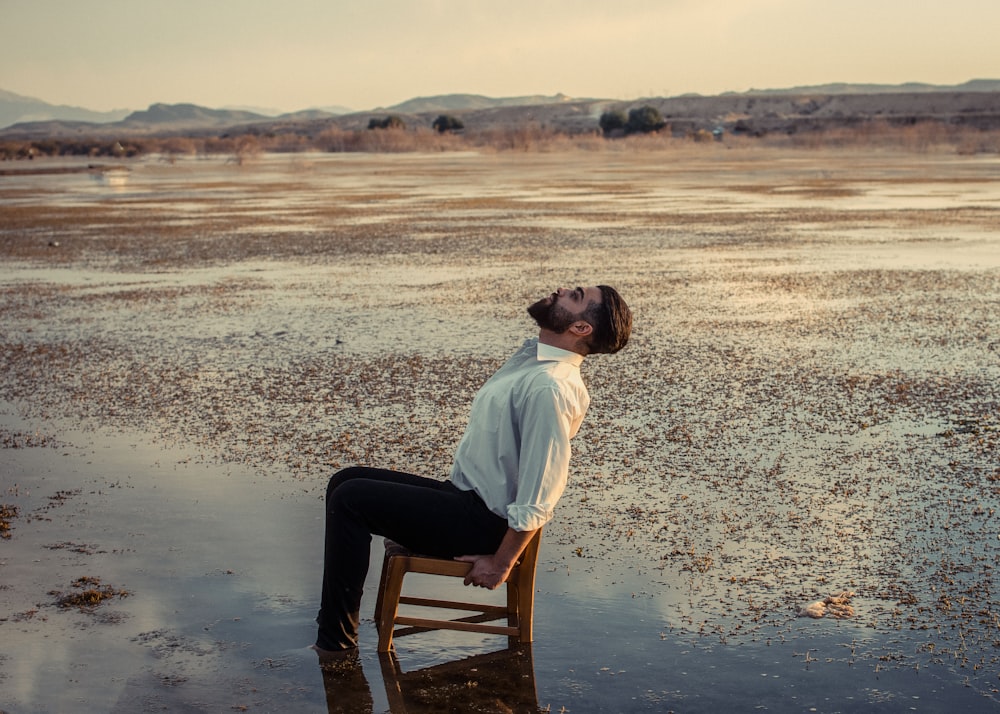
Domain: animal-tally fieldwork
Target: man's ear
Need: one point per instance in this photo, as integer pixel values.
(581, 328)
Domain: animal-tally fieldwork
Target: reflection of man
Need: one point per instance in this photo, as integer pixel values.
(509, 470)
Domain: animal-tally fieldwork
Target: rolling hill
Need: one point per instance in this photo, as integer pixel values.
(975, 104)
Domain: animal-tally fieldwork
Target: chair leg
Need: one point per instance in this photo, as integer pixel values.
(525, 606)
(513, 614)
(512, 601)
(381, 589)
(524, 593)
(394, 571)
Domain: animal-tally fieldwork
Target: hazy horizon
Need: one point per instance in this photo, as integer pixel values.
(274, 112)
(299, 54)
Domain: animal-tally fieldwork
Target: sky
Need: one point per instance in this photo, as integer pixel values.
(287, 55)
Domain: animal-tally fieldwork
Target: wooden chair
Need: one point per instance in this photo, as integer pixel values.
(399, 561)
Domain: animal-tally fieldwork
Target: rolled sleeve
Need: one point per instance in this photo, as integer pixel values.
(528, 518)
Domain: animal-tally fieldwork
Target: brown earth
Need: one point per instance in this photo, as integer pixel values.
(809, 406)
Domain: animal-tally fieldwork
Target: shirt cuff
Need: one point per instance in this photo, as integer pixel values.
(529, 518)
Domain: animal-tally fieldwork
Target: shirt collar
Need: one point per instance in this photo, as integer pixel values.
(548, 353)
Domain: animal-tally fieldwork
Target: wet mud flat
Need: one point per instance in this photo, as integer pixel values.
(809, 407)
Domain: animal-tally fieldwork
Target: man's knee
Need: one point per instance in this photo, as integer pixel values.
(342, 476)
(351, 491)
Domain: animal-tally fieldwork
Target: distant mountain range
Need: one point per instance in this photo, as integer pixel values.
(17, 109)
(28, 117)
(466, 102)
(975, 85)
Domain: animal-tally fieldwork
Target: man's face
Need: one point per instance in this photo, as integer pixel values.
(563, 307)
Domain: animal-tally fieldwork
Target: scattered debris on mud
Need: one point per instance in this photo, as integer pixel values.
(836, 606)
(87, 594)
(809, 400)
(7, 514)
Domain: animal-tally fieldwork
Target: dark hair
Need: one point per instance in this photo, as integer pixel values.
(611, 320)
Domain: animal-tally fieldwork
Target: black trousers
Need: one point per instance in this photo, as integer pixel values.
(425, 515)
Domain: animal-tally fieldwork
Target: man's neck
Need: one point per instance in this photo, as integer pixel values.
(562, 340)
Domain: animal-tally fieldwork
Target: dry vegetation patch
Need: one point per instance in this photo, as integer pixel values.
(8, 513)
(87, 594)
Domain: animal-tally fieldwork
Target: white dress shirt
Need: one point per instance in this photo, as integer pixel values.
(515, 451)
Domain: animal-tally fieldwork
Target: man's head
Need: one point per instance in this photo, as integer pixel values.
(586, 320)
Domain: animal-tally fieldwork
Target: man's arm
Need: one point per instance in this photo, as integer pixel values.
(489, 571)
(546, 423)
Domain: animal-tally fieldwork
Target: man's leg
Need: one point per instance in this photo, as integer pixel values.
(426, 515)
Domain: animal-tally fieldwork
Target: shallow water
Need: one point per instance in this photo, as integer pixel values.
(809, 405)
(219, 567)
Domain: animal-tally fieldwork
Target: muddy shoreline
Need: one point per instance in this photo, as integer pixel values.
(810, 405)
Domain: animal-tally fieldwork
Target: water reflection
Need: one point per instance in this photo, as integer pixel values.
(502, 681)
(346, 686)
(115, 177)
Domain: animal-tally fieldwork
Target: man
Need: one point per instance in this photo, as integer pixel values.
(509, 469)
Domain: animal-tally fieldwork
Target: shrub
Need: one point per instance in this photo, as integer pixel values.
(644, 120)
(446, 123)
(390, 122)
(613, 121)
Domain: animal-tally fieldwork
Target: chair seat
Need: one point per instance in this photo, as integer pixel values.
(399, 561)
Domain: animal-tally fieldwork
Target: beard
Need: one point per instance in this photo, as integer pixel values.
(550, 316)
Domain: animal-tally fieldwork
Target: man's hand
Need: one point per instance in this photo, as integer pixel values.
(486, 571)
(489, 571)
